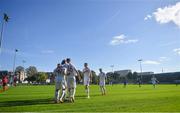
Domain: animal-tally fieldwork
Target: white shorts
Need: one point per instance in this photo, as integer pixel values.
(86, 81)
(153, 82)
(60, 82)
(102, 83)
(71, 81)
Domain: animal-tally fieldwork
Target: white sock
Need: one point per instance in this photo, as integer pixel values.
(73, 92)
(63, 94)
(69, 92)
(88, 91)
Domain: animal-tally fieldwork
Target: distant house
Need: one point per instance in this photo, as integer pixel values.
(21, 76)
(123, 73)
(145, 73)
(117, 76)
(170, 77)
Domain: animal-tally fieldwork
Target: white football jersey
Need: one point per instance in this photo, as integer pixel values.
(59, 71)
(87, 72)
(71, 70)
(153, 80)
(102, 76)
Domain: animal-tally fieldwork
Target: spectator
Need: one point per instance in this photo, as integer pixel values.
(4, 82)
(15, 80)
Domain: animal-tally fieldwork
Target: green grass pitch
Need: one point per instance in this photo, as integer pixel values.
(164, 98)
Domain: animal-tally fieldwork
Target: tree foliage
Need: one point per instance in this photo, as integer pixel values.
(41, 77)
(31, 71)
(19, 69)
(94, 77)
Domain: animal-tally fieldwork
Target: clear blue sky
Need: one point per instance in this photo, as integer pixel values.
(100, 32)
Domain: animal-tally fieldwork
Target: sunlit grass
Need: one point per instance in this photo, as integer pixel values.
(163, 98)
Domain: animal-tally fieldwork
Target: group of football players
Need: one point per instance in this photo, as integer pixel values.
(65, 81)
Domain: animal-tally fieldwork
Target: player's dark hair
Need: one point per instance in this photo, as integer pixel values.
(100, 69)
(68, 60)
(63, 62)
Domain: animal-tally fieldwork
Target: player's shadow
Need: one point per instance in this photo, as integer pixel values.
(26, 102)
(85, 96)
(36, 101)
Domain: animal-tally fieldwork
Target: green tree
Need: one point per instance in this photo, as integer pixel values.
(130, 77)
(78, 80)
(41, 77)
(19, 69)
(110, 78)
(31, 78)
(135, 76)
(31, 72)
(94, 77)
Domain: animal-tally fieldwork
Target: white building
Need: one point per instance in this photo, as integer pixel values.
(21, 76)
(145, 73)
(123, 73)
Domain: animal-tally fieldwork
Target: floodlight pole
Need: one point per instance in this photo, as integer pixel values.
(4, 19)
(14, 62)
(1, 37)
(24, 63)
(140, 64)
(112, 66)
(162, 70)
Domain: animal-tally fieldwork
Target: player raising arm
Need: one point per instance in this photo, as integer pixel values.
(71, 79)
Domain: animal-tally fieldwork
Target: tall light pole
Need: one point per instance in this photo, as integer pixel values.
(5, 19)
(111, 77)
(162, 70)
(112, 66)
(14, 62)
(140, 64)
(23, 61)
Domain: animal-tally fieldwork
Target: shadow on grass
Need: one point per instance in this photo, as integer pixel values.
(26, 102)
(78, 97)
(35, 101)
(84, 96)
